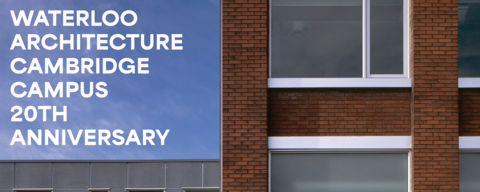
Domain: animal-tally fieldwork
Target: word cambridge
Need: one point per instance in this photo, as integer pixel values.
(82, 66)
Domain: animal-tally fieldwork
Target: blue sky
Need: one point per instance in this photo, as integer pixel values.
(181, 92)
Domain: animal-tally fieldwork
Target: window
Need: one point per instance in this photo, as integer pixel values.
(469, 171)
(339, 172)
(469, 38)
(338, 39)
(469, 43)
(469, 163)
(339, 163)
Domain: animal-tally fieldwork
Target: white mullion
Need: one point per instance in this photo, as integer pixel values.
(270, 38)
(406, 38)
(366, 38)
(409, 172)
(269, 171)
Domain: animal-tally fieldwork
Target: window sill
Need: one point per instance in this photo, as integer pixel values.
(340, 142)
(339, 82)
(469, 143)
(471, 82)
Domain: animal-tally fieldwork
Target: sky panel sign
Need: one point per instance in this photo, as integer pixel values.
(109, 80)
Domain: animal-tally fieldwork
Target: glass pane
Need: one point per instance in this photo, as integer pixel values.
(201, 191)
(321, 38)
(386, 37)
(469, 172)
(336, 172)
(469, 38)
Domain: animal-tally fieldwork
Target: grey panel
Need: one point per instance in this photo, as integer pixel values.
(71, 175)
(109, 175)
(184, 175)
(1, 190)
(33, 175)
(211, 174)
(386, 32)
(6, 175)
(201, 190)
(117, 190)
(146, 175)
(79, 190)
(174, 190)
(469, 172)
(339, 172)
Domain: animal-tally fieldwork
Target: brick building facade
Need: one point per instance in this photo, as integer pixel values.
(434, 111)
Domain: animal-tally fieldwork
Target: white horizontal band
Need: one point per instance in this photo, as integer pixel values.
(469, 143)
(338, 82)
(340, 142)
(469, 82)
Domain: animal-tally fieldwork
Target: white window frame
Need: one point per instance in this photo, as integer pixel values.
(367, 79)
(469, 143)
(340, 144)
(469, 82)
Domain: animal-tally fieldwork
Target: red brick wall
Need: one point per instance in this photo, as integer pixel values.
(245, 73)
(435, 90)
(469, 112)
(434, 104)
(336, 112)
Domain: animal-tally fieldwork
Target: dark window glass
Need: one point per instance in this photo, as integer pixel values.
(386, 37)
(321, 38)
(337, 172)
(469, 38)
(469, 171)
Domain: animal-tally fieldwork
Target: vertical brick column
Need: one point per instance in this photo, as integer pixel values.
(245, 73)
(435, 89)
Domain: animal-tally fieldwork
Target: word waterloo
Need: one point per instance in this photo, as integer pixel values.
(72, 18)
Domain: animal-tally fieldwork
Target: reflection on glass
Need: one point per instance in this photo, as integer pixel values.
(386, 37)
(336, 172)
(321, 38)
(469, 171)
(469, 38)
